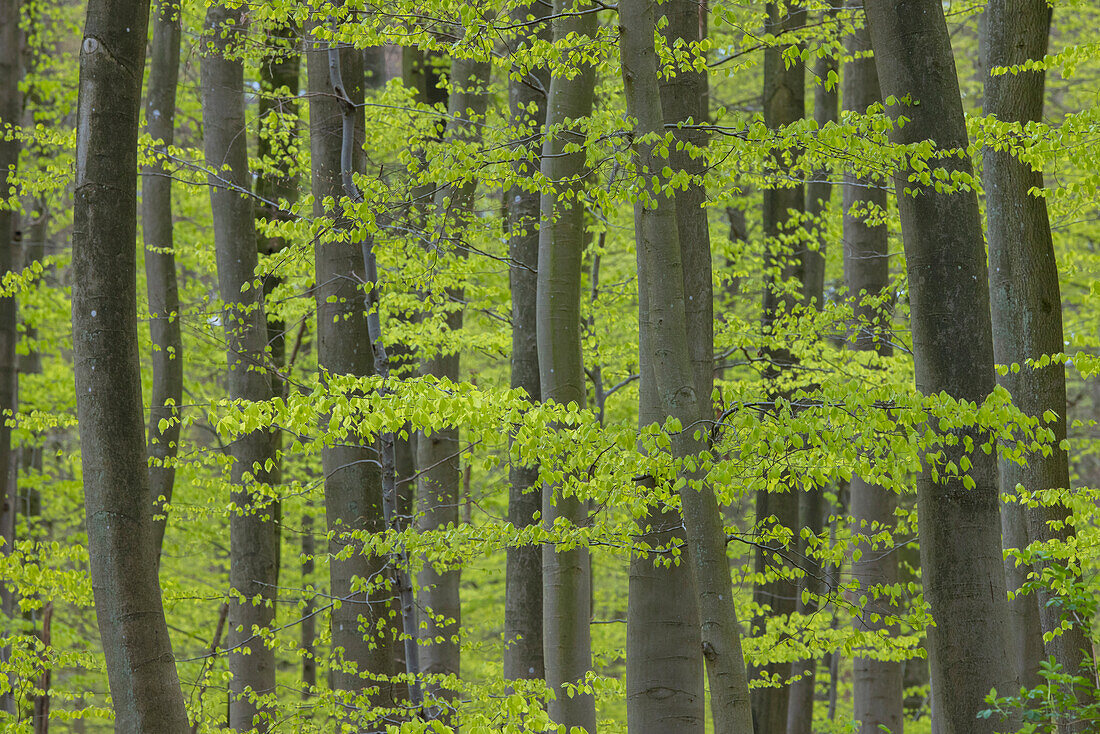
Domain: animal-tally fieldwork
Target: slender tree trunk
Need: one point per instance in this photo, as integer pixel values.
(160, 265)
(960, 529)
(567, 580)
(141, 672)
(1027, 324)
(877, 683)
(784, 103)
(10, 112)
(254, 535)
(664, 656)
(523, 651)
(665, 356)
(353, 483)
(439, 488)
(309, 618)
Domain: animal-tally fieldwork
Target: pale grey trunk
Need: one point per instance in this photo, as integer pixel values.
(353, 482)
(784, 103)
(253, 532)
(523, 651)
(877, 684)
(141, 671)
(960, 530)
(566, 575)
(664, 660)
(668, 383)
(160, 265)
(1027, 324)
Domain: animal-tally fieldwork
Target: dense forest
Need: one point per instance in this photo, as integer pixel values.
(657, 367)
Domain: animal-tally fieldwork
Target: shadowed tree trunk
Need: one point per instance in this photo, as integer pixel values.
(877, 695)
(353, 482)
(160, 265)
(668, 383)
(960, 529)
(141, 671)
(1027, 324)
(253, 531)
(567, 580)
(523, 651)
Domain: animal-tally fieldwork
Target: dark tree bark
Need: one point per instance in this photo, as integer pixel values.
(160, 265)
(877, 684)
(253, 531)
(353, 482)
(960, 529)
(1027, 324)
(141, 671)
(523, 651)
(668, 383)
(567, 580)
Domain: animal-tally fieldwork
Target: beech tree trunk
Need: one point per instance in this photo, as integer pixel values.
(960, 529)
(141, 671)
(567, 581)
(1027, 324)
(665, 357)
(253, 531)
(664, 658)
(160, 265)
(877, 684)
(353, 481)
(523, 643)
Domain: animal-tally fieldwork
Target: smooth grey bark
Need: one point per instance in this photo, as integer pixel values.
(160, 265)
(439, 485)
(960, 530)
(784, 103)
(877, 684)
(664, 659)
(353, 482)
(566, 575)
(141, 671)
(665, 356)
(253, 530)
(1027, 324)
(523, 643)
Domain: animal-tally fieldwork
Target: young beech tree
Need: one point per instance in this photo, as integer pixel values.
(253, 530)
(141, 670)
(664, 355)
(567, 580)
(960, 527)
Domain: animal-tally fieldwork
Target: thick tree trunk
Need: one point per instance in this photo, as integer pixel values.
(253, 532)
(160, 265)
(784, 103)
(1027, 324)
(665, 359)
(566, 574)
(439, 487)
(877, 695)
(960, 529)
(353, 483)
(523, 651)
(141, 672)
(664, 659)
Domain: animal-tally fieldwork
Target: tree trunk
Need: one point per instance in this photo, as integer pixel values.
(523, 651)
(666, 362)
(160, 266)
(253, 532)
(141, 671)
(1027, 324)
(877, 695)
(960, 530)
(664, 657)
(566, 574)
(353, 482)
